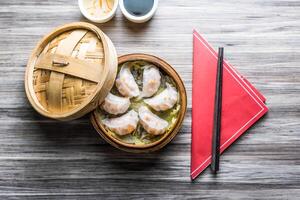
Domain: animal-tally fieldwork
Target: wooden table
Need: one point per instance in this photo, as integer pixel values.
(41, 158)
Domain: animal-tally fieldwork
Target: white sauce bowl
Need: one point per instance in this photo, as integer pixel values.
(138, 19)
(92, 18)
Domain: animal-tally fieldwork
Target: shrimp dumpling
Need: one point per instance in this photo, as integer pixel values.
(125, 82)
(165, 100)
(115, 105)
(151, 80)
(123, 125)
(151, 122)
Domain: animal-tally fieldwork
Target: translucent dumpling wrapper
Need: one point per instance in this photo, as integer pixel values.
(124, 124)
(164, 100)
(115, 105)
(151, 81)
(151, 122)
(125, 82)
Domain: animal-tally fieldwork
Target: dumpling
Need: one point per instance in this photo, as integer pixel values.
(115, 105)
(165, 100)
(125, 82)
(123, 125)
(151, 80)
(151, 122)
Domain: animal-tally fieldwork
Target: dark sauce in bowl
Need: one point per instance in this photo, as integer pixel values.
(138, 7)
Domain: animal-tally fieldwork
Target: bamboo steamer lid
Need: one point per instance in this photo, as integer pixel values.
(70, 71)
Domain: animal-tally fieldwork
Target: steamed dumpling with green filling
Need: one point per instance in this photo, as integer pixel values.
(151, 81)
(164, 100)
(125, 82)
(151, 122)
(124, 124)
(115, 105)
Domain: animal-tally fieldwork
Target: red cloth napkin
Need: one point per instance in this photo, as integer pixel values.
(242, 104)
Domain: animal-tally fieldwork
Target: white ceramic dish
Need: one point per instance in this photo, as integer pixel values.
(138, 19)
(101, 19)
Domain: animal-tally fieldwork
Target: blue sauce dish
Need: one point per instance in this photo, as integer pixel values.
(138, 11)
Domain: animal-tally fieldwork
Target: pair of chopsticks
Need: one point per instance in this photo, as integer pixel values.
(215, 159)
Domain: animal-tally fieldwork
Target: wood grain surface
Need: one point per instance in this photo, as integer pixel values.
(45, 159)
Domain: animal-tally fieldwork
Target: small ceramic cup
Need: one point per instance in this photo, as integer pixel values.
(135, 18)
(102, 19)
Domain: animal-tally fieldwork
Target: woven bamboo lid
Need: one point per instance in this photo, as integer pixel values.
(70, 71)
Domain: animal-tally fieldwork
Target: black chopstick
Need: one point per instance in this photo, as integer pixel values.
(217, 115)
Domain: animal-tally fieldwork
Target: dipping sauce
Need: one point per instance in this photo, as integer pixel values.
(98, 8)
(138, 7)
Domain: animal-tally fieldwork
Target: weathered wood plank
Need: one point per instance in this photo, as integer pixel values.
(42, 159)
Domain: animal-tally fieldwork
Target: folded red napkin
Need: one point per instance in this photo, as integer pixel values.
(242, 104)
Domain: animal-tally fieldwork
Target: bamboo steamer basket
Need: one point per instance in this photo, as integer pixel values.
(70, 71)
(134, 148)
